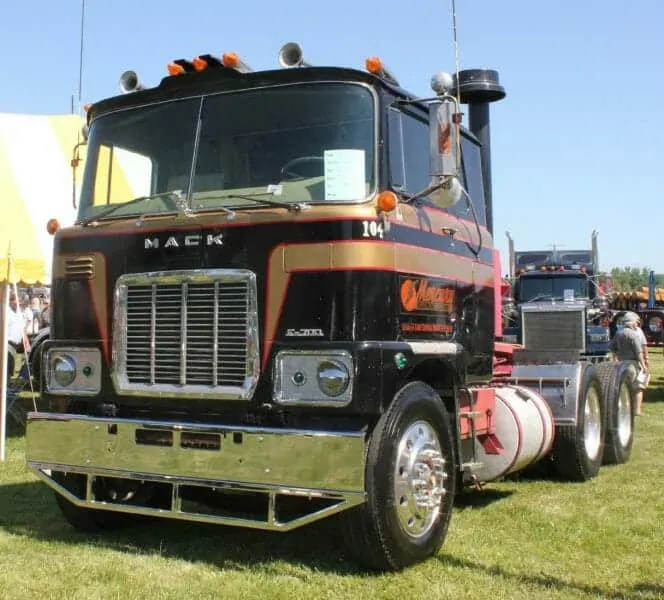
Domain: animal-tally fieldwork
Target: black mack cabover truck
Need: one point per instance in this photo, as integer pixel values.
(277, 306)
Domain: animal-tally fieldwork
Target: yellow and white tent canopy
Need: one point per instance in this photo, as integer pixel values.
(35, 186)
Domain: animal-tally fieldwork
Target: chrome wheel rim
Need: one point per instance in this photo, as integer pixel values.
(419, 479)
(592, 423)
(624, 415)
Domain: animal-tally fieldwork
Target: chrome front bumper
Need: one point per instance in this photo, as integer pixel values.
(276, 463)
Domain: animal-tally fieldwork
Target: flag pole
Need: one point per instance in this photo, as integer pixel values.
(4, 343)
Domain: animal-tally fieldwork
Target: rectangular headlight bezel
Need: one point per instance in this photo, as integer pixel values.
(82, 385)
(286, 391)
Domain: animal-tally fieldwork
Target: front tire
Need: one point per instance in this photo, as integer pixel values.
(35, 357)
(410, 484)
(578, 449)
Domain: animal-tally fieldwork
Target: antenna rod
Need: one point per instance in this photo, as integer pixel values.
(456, 48)
(80, 58)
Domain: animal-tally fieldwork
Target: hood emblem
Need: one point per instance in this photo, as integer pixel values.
(189, 240)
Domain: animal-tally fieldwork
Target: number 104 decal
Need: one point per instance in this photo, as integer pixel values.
(373, 229)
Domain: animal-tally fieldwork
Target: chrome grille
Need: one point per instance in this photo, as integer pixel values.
(186, 333)
(554, 329)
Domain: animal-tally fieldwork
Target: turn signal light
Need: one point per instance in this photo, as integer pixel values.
(52, 226)
(387, 201)
(175, 69)
(205, 61)
(230, 60)
(375, 66)
(200, 64)
(180, 66)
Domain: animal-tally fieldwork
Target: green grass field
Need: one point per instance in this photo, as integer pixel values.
(516, 539)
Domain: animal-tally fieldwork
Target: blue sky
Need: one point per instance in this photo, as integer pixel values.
(576, 143)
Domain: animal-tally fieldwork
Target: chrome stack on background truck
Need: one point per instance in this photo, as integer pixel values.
(278, 305)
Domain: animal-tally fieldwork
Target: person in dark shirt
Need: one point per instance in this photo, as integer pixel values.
(45, 316)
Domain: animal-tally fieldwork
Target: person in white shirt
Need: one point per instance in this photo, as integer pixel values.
(15, 323)
(26, 313)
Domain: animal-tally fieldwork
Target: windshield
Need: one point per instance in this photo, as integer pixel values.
(301, 143)
(532, 288)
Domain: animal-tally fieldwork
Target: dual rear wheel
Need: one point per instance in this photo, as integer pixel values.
(604, 430)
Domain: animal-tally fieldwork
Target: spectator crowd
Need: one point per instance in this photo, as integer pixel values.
(28, 314)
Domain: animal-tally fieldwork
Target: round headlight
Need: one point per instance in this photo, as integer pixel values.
(64, 370)
(333, 377)
(656, 324)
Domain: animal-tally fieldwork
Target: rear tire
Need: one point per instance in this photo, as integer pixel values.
(615, 379)
(578, 449)
(410, 484)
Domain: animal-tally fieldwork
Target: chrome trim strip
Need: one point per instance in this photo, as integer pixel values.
(121, 382)
(153, 331)
(339, 501)
(435, 347)
(215, 335)
(183, 333)
(240, 455)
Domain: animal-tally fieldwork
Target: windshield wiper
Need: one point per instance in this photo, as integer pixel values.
(540, 297)
(295, 207)
(176, 194)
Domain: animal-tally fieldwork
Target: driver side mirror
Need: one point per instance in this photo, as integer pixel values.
(444, 151)
(75, 161)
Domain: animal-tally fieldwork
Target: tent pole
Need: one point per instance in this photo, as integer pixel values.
(4, 310)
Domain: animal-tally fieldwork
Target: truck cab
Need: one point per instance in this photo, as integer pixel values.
(268, 270)
(556, 302)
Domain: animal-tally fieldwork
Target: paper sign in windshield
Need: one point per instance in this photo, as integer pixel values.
(344, 174)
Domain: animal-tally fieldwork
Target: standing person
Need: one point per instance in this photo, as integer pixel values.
(26, 312)
(626, 345)
(644, 342)
(45, 319)
(15, 322)
(35, 305)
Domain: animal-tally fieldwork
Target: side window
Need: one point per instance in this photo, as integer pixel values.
(408, 151)
(409, 162)
(472, 168)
